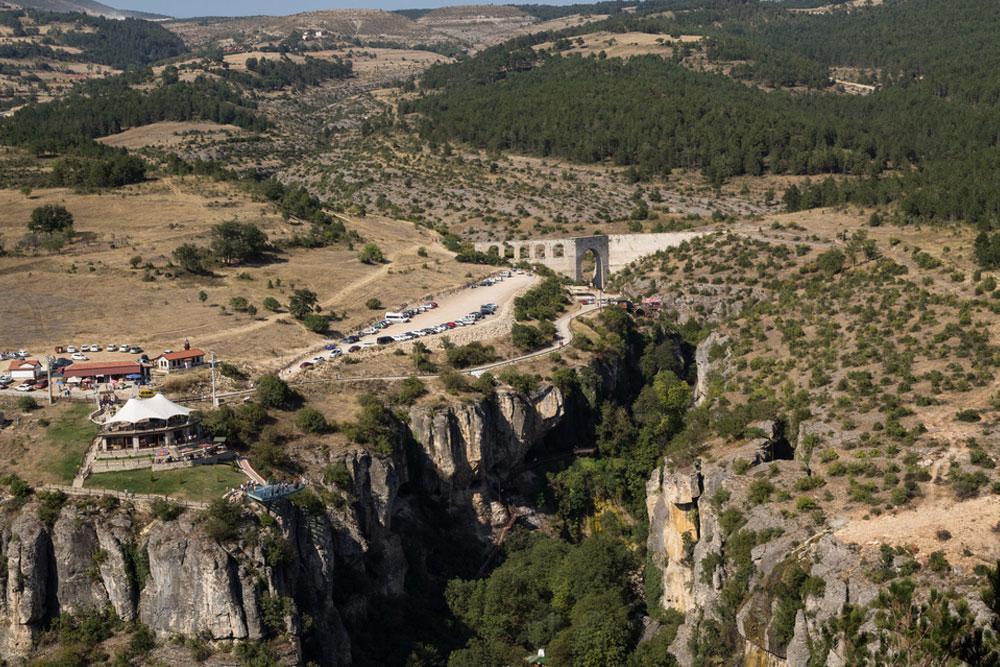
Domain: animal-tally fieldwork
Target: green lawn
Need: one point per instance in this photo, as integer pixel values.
(71, 433)
(203, 483)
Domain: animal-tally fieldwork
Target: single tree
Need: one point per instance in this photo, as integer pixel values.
(371, 254)
(51, 218)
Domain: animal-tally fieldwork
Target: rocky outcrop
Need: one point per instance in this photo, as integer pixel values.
(196, 587)
(707, 363)
(296, 574)
(469, 450)
(689, 543)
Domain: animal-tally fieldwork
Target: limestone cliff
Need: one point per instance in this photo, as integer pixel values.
(316, 567)
(690, 532)
(469, 451)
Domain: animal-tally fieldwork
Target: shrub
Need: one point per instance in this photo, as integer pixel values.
(316, 323)
(221, 520)
(373, 304)
(523, 383)
(271, 304)
(371, 254)
(164, 510)
(760, 491)
(968, 416)
(230, 371)
(528, 338)
(472, 354)
(454, 382)
(50, 504)
(273, 392)
(27, 403)
(410, 390)
(311, 420)
(938, 563)
(339, 475)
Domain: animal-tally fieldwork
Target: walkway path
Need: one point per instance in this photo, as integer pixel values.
(244, 465)
(123, 495)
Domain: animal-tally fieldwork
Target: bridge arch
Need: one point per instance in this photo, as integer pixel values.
(592, 267)
(540, 251)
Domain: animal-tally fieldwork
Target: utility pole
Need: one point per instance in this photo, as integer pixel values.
(48, 377)
(215, 398)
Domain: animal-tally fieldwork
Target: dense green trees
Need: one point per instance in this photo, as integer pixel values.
(275, 74)
(925, 139)
(102, 107)
(115, 169)
(572, 600)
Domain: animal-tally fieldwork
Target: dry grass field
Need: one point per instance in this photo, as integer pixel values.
(623, 45)
(89, 293)
(170, 134)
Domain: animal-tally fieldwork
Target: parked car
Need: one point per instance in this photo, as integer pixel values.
(95, 348)
(111, 348)
(25, 387)
(384, 340)
(318, 360)
(79, 356)
(450, 325)
(336, 354)
(330, 346)
(351, 339)
(72, 349)
(306, 364)
(135, 349)
(355, 348)
(41, 384)
(403, 337)
(367, 345)
(124, 348)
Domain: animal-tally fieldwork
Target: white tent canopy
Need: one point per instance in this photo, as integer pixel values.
(142, 409)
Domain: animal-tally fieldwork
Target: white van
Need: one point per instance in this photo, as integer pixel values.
(396, 317)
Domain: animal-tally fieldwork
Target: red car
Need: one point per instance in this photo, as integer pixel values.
(451, 325)
(306, 364)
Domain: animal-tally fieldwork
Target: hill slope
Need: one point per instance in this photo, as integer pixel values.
(84, 7)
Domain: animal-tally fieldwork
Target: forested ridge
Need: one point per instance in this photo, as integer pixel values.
(117, 43)
(100, 108)
(927, 138)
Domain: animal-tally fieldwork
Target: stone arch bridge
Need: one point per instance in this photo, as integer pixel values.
(608, 253)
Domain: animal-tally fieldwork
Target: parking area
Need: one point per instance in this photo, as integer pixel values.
(488, 301)
(456, 308)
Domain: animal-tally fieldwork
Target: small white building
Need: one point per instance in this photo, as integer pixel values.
(170, 362)
(25, 369)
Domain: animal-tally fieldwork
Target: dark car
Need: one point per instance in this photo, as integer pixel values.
(384, 340)
(351, 339)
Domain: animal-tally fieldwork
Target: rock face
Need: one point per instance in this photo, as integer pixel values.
(175, 579)
(707, 365)
(195, 586)
(470, 450)
(689, 543)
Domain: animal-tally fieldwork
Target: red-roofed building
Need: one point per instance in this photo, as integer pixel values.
(168, 362)
(25, 369)
(103, 371)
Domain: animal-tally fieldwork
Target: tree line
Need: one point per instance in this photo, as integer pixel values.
(926, 139)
